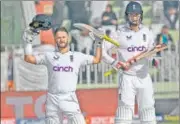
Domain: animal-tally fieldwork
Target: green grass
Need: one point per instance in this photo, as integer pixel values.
(176, 122)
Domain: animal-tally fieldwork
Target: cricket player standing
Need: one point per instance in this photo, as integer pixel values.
(133, 38)
(63, 68)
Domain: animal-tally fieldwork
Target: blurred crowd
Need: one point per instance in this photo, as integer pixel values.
(82, 11)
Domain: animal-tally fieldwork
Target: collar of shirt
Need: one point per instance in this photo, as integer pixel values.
(128, 26)
(67, 53)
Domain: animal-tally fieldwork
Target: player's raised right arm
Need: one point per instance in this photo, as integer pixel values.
(28, 51)
(28, 37)
(39, 22)
(30, 59)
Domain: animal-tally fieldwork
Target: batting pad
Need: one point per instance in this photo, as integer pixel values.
(124, 115)
(52, 121)
(147, 116)
(77, 119)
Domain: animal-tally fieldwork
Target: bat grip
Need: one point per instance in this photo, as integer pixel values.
(109, 72)
(111, 40)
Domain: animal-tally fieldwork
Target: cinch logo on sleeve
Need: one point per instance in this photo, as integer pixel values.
(63, 68)
(136, 48)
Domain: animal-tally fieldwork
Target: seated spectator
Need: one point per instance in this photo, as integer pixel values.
(171, 13)
(164, 37)
(109, 17)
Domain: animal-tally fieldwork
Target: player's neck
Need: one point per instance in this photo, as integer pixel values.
(134, 28)
(64, 50)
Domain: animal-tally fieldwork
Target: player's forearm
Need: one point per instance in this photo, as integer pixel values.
(28, 57)
(28, 50)
(97, 57)
(106, 57)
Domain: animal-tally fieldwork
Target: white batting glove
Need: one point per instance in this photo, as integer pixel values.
(29, 35)
(95, 38)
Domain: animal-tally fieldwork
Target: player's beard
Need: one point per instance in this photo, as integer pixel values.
(62, 45)
(135, 22)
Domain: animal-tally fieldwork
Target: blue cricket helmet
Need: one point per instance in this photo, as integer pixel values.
(41, 22)
(133, 7)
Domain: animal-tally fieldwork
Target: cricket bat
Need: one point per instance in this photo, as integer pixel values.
(151, 52)
(140, 56)
(96, 32)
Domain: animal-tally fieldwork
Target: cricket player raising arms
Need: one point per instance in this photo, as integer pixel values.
(63, 68)
(133, 38)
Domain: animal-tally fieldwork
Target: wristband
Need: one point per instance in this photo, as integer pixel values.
(28, 49)
(99, 44)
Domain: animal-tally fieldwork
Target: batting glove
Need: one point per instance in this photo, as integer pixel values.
(118, 64)
(29, 35)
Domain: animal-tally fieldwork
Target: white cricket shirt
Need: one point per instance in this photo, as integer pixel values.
(63, 69)
(131, 44)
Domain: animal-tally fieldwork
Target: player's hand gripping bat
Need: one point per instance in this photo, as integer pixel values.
(96, 32)
(140, 56)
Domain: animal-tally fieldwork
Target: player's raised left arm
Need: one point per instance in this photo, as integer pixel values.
(98, 43)
(93, 59)
(98, 55)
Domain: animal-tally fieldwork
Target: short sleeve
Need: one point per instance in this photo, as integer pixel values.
(86, 59)
(40, 59)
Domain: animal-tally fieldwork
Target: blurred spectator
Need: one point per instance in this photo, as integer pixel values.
(77, 12)
(10, 67)
(169, 4)
(164, 37)
(109, 17)
(171, 13)
(97, 8)
(36, 2)
(57, 16)
(10, 72)
(83, 41)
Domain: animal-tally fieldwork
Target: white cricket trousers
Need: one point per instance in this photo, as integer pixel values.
(141, 87)
(60, 105)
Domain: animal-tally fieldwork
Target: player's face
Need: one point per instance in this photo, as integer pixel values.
(61, 39)
(134, 18)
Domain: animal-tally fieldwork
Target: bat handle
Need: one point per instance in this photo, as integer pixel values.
(108, 73)
(111, 40)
